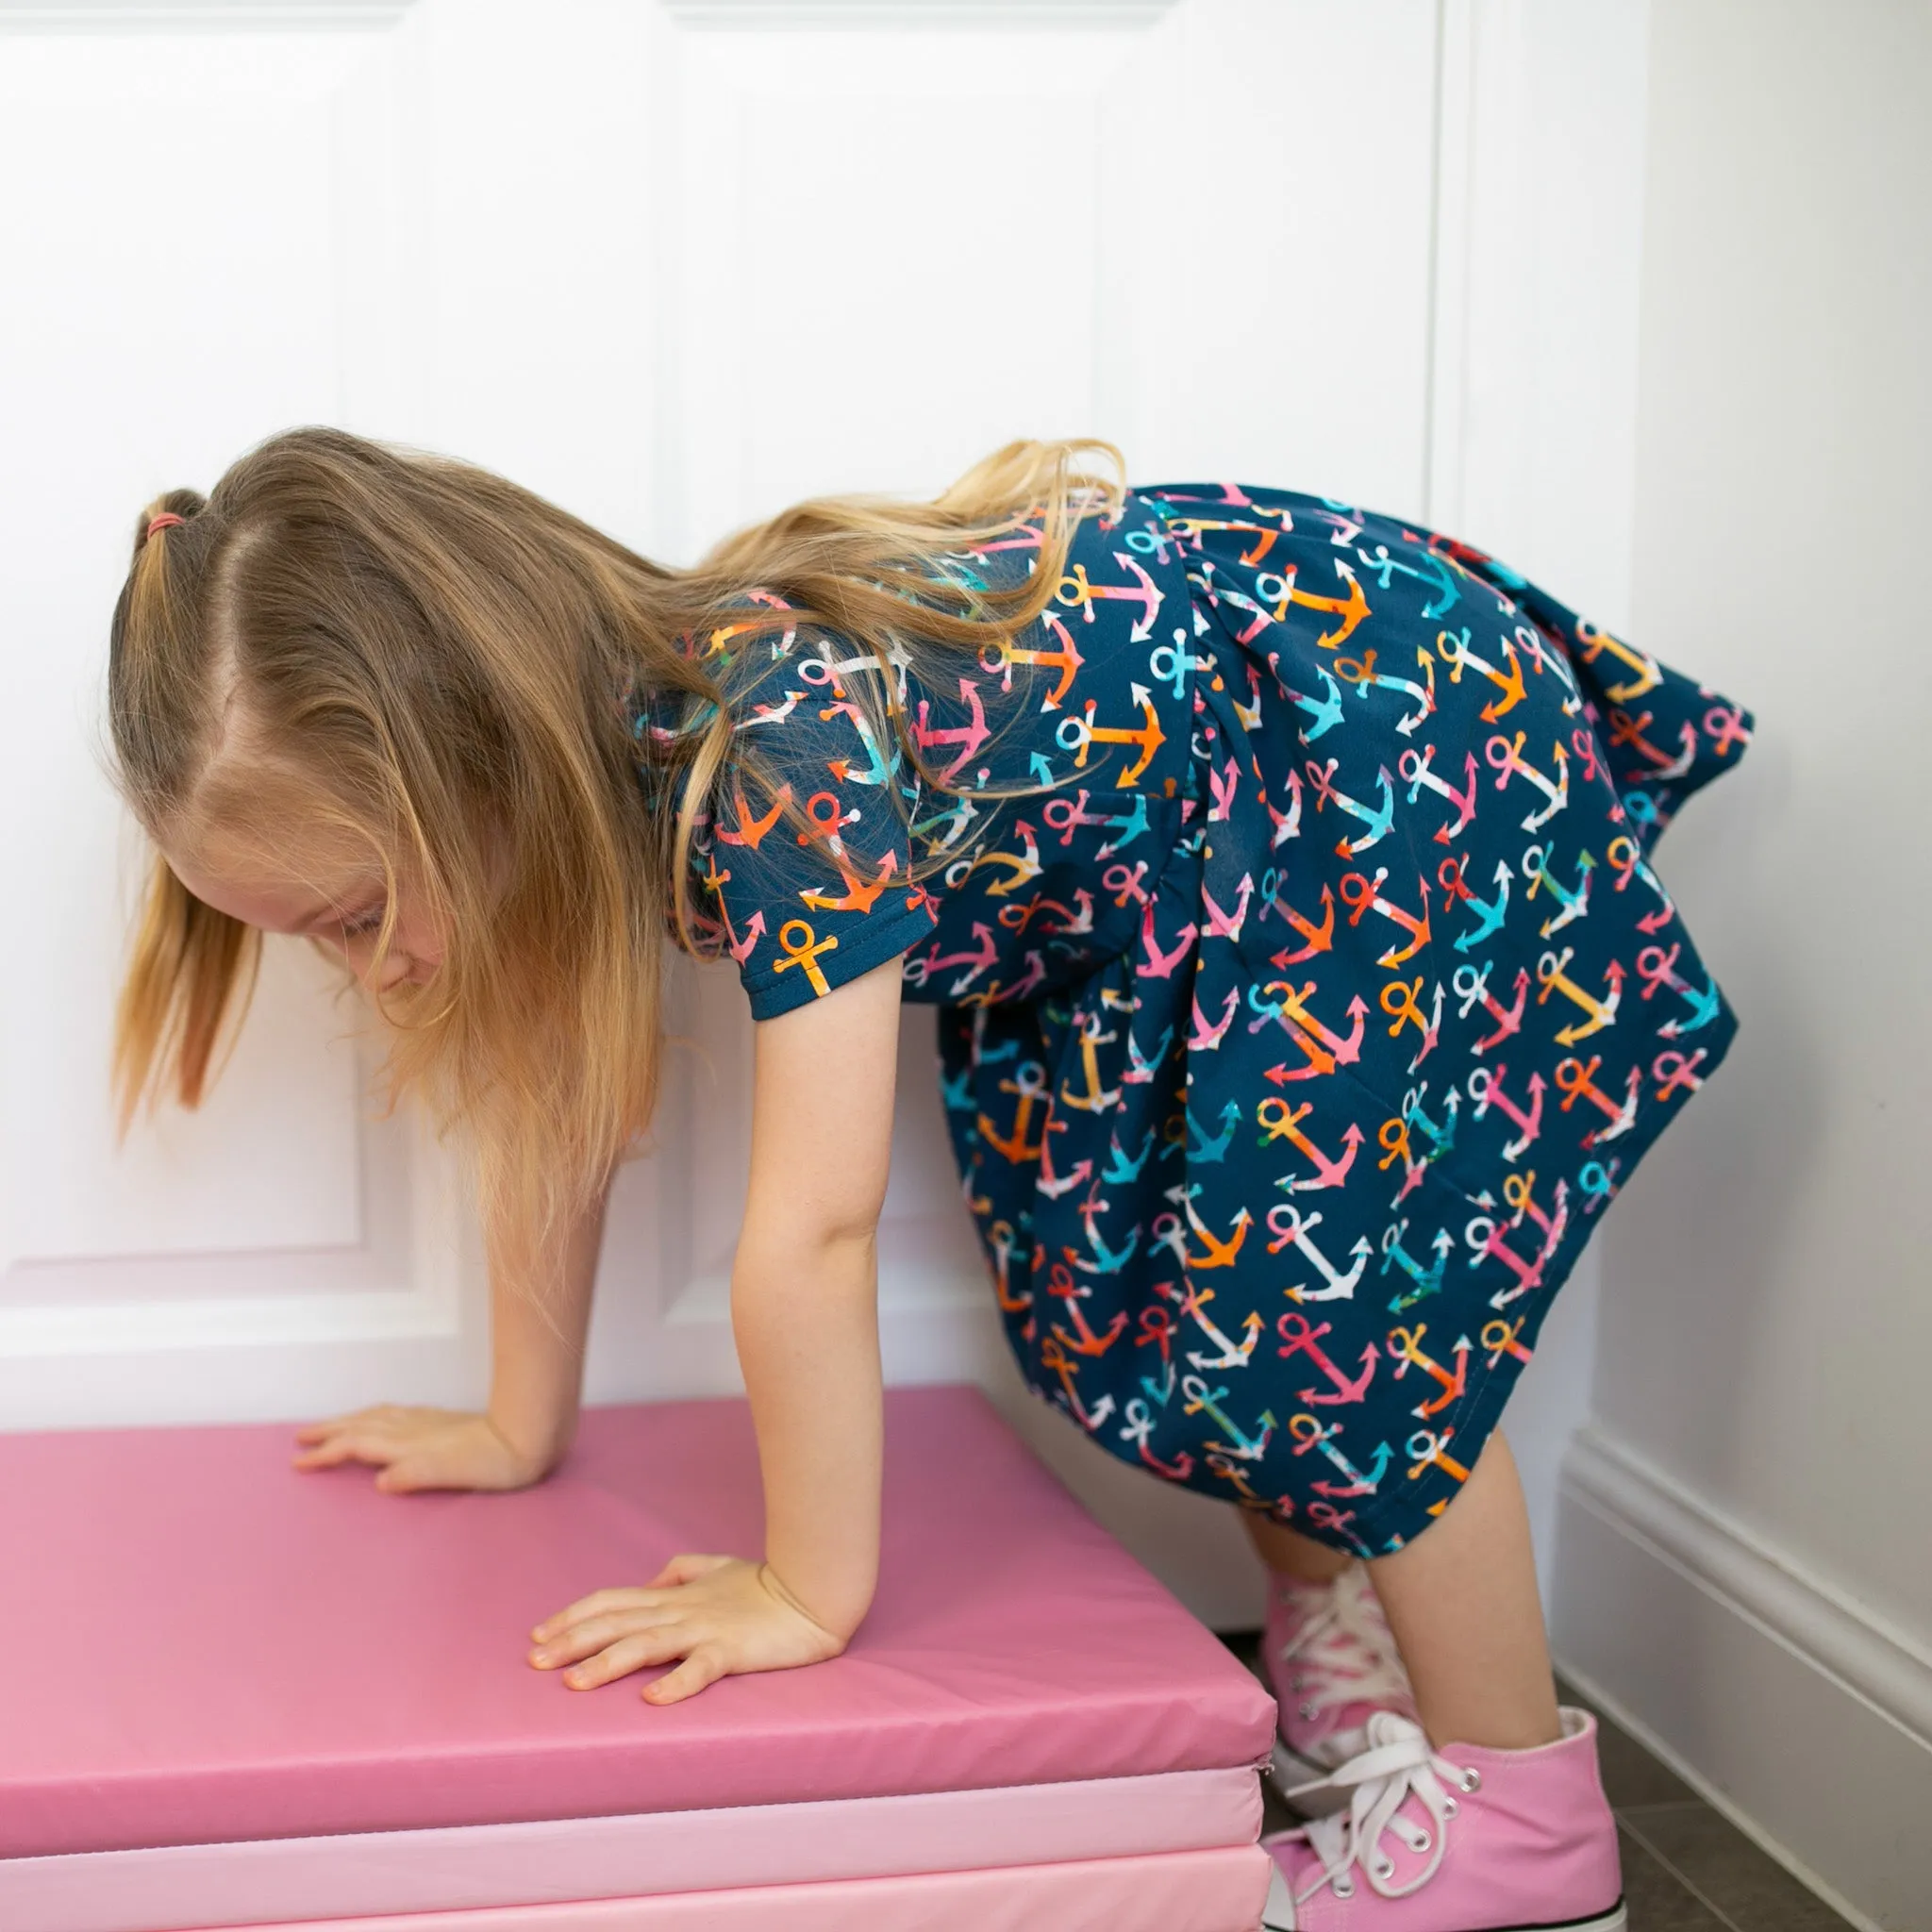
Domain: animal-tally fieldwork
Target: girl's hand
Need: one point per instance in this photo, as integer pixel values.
(721, 1615)
(423, 1449)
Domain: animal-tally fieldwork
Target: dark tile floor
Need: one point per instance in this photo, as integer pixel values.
(1686, 1867)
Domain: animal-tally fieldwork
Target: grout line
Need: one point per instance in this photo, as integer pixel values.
(1640, 1734)
(1639, 1849)
(1703, 1898)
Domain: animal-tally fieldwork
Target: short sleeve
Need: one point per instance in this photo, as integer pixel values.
(805, 859)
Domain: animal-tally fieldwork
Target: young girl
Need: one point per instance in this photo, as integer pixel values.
(1281, 874)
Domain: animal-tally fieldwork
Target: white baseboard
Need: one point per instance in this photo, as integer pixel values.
(1795, 1711)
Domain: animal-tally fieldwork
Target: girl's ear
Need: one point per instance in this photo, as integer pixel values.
(189, 980)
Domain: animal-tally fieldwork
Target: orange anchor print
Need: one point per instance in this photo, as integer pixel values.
(1282, 589)
(750, 830)
(803, 951)
(1031, 1089)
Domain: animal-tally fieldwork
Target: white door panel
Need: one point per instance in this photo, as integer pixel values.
(271, 1162)
(191, 248)
(673, 265)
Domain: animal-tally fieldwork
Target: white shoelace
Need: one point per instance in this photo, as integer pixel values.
(1347, 1642)
(1398, 1762)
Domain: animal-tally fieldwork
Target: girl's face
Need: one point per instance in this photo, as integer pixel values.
(312, 886)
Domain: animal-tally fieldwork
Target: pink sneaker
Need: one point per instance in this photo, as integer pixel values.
(1333, 1664)
(1461, 1840)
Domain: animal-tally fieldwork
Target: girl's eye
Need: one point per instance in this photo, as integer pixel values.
(363, 922)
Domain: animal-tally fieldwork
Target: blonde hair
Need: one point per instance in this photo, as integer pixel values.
(452, 668)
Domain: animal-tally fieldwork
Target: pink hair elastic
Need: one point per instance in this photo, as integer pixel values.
(162, 522)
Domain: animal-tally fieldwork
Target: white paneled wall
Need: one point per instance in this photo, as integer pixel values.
(203, 241)
(1747, 1566)
(675, 265)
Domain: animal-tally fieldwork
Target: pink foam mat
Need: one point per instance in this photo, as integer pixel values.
(198, 1646)
(363, 1874)
(1219, 1891)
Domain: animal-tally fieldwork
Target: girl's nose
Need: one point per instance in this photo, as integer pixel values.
(359, 954)
(397, 970)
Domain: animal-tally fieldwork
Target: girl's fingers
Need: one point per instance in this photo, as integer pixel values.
(701, 1667)
(593, 1634)
(599, 1603)
(630, 1653)
(317, 1433)
(345, 1448)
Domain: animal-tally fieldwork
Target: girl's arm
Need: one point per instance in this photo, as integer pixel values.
(538, 1324)
(539, 1315)
(804, 1309)
(805, 1288)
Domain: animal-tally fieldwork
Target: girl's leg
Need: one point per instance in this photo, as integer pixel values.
(1327, 1653)
(1533, 1840)
(1461, 1600)
(1290, 1554)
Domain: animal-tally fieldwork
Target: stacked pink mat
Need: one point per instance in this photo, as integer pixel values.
(232, 1696)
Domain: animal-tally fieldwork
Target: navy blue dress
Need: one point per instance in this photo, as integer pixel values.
(1298, 1027)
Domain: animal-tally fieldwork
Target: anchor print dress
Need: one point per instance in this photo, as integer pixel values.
(1297, 1030)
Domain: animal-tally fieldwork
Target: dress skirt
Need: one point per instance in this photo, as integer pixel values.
(1275, 1201)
